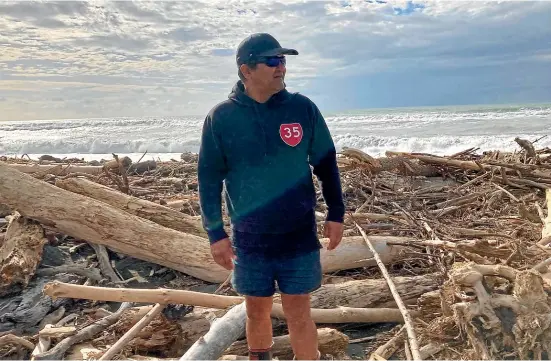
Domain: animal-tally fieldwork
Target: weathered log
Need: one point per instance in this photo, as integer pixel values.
(85, 218)
(372, 292)
(223, 332)
(165, 216)
(462, 164)
(20, 253)
(330, 342)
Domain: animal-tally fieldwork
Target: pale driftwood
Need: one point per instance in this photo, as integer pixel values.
(330, 341)
(84, 334)
(33, 168)
(58, 331)
(338, 314)
(165, 296)
(20, 253)
(128, 336)
(165, 216)
(463, 164)
(223, 332)
(97, 222)
(410, 328)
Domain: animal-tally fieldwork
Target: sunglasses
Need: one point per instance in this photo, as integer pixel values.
(272, 61)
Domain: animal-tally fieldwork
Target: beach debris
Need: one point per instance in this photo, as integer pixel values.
(464, 238)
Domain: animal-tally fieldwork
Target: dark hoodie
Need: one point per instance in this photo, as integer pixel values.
(263, 153)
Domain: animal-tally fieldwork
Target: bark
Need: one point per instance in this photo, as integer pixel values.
(85, 218)
(165, 216)
(20, 253)
(223, 332)
(330, 341)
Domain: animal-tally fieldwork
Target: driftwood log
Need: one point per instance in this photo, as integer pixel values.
(86, 218)
(95, 221)
(332, 313)
(66, 168)
(165, 216)
(20, 253)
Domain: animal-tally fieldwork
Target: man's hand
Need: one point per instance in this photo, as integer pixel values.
(333, 231)
(222, 253)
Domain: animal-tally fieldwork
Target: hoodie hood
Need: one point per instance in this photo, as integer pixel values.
(238, 96)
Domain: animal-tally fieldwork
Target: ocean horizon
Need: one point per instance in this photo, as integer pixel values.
(438, 130)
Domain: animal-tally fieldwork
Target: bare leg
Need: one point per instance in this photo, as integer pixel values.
(259, 325)
(302, 329)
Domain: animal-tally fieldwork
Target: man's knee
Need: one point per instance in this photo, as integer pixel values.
(258, 308)
(296, 308)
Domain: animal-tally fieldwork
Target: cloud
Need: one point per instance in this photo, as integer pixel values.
(122, 58)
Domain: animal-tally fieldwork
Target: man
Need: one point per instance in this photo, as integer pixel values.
(261, 143)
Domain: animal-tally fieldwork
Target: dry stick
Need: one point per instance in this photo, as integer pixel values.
(10, 338)
(130, 334)
(405, 313)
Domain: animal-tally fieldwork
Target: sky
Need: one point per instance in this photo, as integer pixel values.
(127, 59)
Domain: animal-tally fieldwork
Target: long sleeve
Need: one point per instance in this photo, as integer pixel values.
(323, 158)
(211, 173)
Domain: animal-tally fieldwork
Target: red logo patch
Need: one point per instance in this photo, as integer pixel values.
(291, 133)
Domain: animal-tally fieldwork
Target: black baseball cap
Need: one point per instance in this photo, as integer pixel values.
(260, 45)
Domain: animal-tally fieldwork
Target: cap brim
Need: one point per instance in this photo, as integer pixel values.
(279, 51)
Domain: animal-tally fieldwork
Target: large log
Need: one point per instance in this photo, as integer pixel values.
(372, 293)
(20, 253)
(165, 216)
(97, 222)
(223, 332)
(86, 218)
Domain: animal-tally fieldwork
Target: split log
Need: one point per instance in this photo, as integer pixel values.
(85, 218)
(223, 333)
(20, 253)
(67, 168)
(330, 342)
(165, 216)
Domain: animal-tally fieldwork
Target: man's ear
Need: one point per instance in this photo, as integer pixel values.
(245, 70)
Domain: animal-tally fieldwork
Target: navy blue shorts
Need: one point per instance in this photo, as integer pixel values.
(257, 274)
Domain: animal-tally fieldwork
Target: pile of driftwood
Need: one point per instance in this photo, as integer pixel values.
(108, 260)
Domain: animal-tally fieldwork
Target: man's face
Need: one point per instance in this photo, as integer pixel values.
(269, 75)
